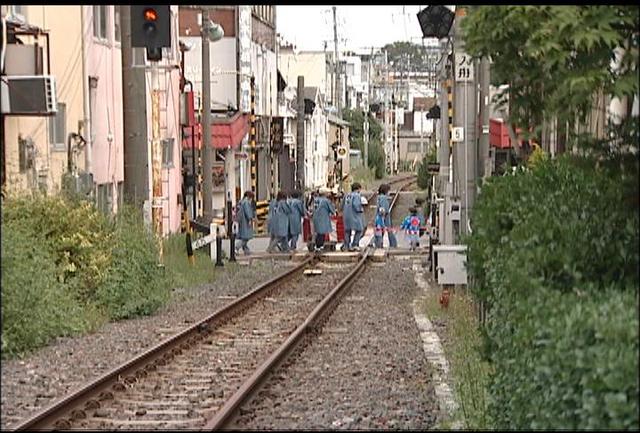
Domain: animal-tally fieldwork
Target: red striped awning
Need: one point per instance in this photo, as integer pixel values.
(226, 132)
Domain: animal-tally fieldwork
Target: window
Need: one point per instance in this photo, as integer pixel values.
(105, 197)
(414, 147)
(351, 69)
(167, 152)
(116, 23)
(100, 21)
(58, 128)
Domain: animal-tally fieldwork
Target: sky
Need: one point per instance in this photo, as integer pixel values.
(358, 27)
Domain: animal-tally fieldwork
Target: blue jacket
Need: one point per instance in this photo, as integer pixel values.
(383, 202)
(322, 211)
(272, 208)
(352, 211)
(245, 214)
(298, 211)
(280, 220)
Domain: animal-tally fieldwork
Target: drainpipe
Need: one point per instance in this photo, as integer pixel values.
(85, 96)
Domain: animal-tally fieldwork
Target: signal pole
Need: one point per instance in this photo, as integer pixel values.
(207, 157)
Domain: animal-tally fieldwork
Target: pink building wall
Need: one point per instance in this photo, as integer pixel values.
(104, 61)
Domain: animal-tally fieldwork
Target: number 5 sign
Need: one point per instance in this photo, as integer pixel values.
(464, 67)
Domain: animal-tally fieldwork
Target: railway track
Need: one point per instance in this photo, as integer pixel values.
(199, 378)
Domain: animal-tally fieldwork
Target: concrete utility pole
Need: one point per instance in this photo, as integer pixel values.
(136, 169)
(484, 163)
(366, 114)
(207, 154)
(300, 135)
(444, 226)
(464, 116)
(387, 153)
(338, 85)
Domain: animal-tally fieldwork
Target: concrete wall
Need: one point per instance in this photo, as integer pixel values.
(222, 58)
(407, 151)
(64, 23)
(310, 64)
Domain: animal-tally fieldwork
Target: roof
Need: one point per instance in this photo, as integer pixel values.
(336, 120)
(423, 103)
(310, 93)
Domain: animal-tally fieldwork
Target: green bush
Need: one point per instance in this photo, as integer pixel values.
(134, 284)
(554, 253)
(376, 159)
(79, 237)
(35, 306)
(66, 268)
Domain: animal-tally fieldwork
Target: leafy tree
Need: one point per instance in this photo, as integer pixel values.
(556, 58)
(403, 52)
(356, 138)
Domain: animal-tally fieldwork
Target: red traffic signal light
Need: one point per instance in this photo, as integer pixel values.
(150, 14)
(150, 26)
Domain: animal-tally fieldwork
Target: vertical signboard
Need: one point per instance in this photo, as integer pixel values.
(244, 40)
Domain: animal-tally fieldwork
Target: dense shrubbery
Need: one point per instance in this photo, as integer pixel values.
(66, 268)
(555, 255)
(134, 285)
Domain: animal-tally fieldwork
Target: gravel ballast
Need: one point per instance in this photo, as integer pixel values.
(366, 370)
(48, 374)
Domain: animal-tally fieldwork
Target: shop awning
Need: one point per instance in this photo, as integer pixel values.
(229, 131)
(226, 132)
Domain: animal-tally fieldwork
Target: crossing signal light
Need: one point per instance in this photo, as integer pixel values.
(151, 29)
(435, 21)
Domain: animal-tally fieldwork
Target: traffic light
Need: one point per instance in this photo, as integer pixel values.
(151, 28)
(435, 21)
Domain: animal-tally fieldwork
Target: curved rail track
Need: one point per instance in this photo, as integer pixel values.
(198, 378)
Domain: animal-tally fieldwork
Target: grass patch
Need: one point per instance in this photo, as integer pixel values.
(461, 340)
(179, 270)
(364, 176)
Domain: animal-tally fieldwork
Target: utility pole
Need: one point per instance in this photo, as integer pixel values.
(465, 117)
(300, 135)
(366, 114)
(338, 86)
(484, 167)
(444, 154)
(387, 153)
(207, 154)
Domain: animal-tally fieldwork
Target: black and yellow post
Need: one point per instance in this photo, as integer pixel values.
(252, 140)
(450, 99)
(273, 169)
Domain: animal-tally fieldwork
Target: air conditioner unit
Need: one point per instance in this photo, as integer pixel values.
(29, 95)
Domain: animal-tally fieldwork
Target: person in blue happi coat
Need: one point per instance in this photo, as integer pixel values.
(322, 211)
(298, 211)
(273, 240)
(384, 201)
(411, 225)
(352, 211)
(280, 223)
(245, 216)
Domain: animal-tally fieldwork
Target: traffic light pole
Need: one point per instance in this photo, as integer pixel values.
(207, 157)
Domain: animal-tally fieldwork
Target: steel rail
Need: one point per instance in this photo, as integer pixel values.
(87, 396)
(252, 384)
